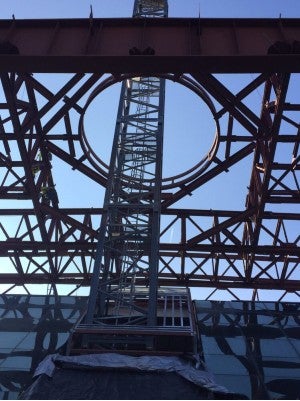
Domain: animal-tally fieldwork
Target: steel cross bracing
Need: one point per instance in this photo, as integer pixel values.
(251, 247)
(129, 231)
(130, 225)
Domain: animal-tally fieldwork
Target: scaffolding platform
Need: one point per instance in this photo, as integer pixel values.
(174, 334)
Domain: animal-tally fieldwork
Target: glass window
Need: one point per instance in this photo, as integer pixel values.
(235, 383)
(46, 341)
(296, 345)
(35, 312)
(225, 364)
(8, 395)
(282, 372)
(17, 362)
(277, 347)
(10, 339)
(28, 342)
(210, 346)
(69, 312)
(38, 301)
(238, 345)
(11, 314)
(237, 305)
(265, 319)
(62, 339)
(282, 367)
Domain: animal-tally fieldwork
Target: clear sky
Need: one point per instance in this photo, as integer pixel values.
(189, 127)
(123, 8)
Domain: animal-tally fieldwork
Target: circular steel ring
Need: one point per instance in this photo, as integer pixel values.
(167, 182)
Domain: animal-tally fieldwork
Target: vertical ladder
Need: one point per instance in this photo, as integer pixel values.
(129, 232)
(122, 315)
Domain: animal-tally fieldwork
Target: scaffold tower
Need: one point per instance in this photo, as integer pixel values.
(129, 232)
(128, 244)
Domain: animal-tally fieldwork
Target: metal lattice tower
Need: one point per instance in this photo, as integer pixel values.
(129, 232)
(128, 245)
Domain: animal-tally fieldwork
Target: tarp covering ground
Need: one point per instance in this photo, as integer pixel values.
(115, 376)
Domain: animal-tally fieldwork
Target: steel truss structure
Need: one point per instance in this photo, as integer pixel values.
(131, 216)
(255, 246)
(130, 224)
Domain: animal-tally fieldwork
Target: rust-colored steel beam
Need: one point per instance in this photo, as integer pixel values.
(122, 45)
(163, 280)
(9, 247)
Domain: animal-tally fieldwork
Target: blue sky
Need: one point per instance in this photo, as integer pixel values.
(123, 8)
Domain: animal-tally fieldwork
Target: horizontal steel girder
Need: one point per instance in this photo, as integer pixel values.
(11, 246)
(166, 279)
(120, 45)
(228, 250)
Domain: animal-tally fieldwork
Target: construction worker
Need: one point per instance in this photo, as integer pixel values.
(49, 194)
